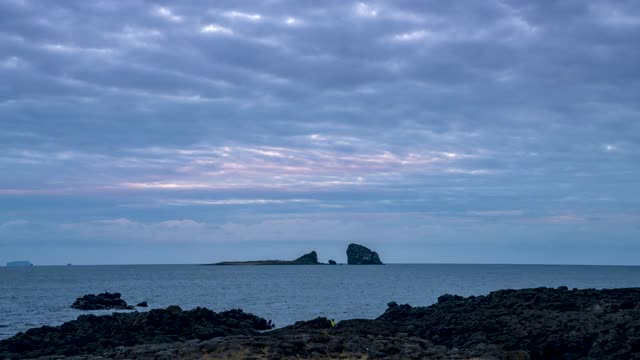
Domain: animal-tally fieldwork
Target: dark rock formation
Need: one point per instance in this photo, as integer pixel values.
(90, 334)
(332, 262)
(174, 309)
(310, 258)
(527, 324)
(360, 255)
(104, 301)
(142, 304)
(347, 341)
(316, 339)
(546, 323)
(306, 259)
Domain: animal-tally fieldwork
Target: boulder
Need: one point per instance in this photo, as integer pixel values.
(142, 304)
(104, 301)
(360, 255)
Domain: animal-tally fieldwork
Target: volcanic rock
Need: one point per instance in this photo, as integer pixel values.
(95, 334)
(545, 323)
(310, 258)
(360, 255)
(104, 301)
(526, 324)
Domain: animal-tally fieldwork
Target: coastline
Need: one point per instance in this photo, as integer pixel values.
(532, 323)
(356, 255)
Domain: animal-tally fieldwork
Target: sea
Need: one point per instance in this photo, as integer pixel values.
(42, 295)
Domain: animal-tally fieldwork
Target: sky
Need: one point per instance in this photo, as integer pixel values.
(135, 132)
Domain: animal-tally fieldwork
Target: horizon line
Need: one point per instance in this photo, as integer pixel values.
(390, 263)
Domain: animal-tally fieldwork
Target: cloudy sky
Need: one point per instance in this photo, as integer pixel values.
(500, 131)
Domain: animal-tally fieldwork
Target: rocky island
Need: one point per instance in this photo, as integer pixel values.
(526, 324)
(356, 255)
(104, 301)
(360, 255)
(19, 263)
(306, 259)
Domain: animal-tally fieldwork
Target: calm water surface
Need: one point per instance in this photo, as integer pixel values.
(41, 295)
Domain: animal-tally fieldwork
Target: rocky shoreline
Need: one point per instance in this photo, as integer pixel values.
(540, 323)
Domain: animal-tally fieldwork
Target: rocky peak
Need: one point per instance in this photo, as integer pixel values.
(360, 255)
(310, 258)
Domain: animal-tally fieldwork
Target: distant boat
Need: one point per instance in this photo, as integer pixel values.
(19, 263)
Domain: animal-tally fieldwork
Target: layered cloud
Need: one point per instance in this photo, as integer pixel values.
(511, 114)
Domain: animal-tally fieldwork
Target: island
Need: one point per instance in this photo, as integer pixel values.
(360, 255)
(104, 301)
(19, 263)
(356, 255)
(306, 259)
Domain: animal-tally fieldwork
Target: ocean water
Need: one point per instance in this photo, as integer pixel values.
(42, 295)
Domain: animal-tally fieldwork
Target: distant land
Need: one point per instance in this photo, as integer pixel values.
(306, 259)
(19, 263)
(360, 255)
(356, 255)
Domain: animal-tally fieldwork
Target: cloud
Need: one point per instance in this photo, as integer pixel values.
(167, 14)
(411, 36)
(615, 15)
(11, 62)
(243, 15)
(191, 202)
(558, 219)
(499, 213)
(315, 165)
(362, 9)
(11, 224)
(474, 110)
(216, 29)
(123, 230)
(292, 21)
(189, 231)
